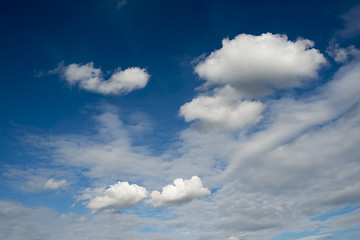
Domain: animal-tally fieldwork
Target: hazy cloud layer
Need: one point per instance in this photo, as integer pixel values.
(180, 192)
(91, 79)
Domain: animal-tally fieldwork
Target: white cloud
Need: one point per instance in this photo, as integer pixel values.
(234, 238)
(341, 55)
(247, 67)
(181, 192)
(37, 179)
(119, 195)
(253, 63)
(222, 111)
(91, 79)
(55, 184)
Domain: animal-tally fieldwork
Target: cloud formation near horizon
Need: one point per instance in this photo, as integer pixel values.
(121, 82)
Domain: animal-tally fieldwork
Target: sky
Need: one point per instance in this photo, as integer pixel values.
(194, 120)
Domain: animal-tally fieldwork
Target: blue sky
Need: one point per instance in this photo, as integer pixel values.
(133, 119)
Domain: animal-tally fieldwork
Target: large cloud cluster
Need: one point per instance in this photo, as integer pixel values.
(245, 68)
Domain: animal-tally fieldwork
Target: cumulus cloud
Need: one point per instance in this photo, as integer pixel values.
(223, 110)
(55, 184)
(180, 192)
(245, 68)
(119, 195)
(254, 63)
(91, 79)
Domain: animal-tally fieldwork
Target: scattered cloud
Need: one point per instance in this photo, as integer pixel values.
(119, 195)
(342, 55)
(53, 184)
(121, 3)
(256, 63)
(37, 179)
(180, 192)
(121, 82)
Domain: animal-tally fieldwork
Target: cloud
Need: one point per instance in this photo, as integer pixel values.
(37, 179)
(55, 184)
(245, 68)
(267, 180)
(256, 63)
(234, 238)
(352, 23)
(121, 3)
(179, 193)
(119, 195)
(222, 111)
(91, 79)
(341, 55)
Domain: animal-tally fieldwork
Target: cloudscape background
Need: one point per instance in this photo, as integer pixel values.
(167, 119)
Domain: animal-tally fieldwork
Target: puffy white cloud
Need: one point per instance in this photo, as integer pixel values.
(247, 67)
(91, 79)
(254, 63)
(222, 111)
(181, 192)
(119, 195)
(55, 184)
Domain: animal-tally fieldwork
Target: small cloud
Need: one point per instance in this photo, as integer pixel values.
(119, 195)
(234, 238)
(179, 193)
(38, 73)
(341, 55)
(53, 184)
(121, 4)
(88, 77)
